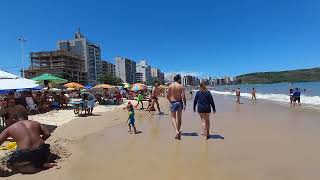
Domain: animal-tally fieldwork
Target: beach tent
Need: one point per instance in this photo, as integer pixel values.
(12, 82)
(74, 85)
(50, 78)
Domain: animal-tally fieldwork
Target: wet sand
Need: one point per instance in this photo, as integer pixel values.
(254, 140)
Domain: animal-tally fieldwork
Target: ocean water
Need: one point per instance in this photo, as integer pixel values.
(274, 92)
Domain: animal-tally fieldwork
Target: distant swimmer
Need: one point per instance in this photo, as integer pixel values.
(253, 94)
(238, 95)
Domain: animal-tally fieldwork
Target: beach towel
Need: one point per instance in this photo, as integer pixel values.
(9, 146)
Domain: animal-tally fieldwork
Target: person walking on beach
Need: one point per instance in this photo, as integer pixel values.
(291, 95)
(238, 95)
(204, 102)
(139, 99)
(154, 97)
(131, 119)
(177, 99)
(253, 94)
(296, 96)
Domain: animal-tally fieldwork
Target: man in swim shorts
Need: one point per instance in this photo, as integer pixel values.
(32, 153)
(154, 97)
(177, 99)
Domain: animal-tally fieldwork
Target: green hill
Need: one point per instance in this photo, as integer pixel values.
(300, 75)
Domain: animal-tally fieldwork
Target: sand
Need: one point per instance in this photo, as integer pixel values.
(254, 140)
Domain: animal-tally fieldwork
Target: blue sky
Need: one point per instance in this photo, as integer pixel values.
(214, 37)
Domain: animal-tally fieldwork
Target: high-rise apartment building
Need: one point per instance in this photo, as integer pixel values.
(143, 71)
(108, 68)
(88, 51)
(126, 69)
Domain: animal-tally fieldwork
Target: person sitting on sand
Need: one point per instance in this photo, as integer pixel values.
(63, 100)
(253, 94)
(131, 119)
(32, 153)
(238, 95)
(177, 99)
(12, 109)
(204, 102)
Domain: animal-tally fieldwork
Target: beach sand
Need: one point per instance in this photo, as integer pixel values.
(254, 140)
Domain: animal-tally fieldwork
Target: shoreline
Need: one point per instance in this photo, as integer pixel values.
(261, 141)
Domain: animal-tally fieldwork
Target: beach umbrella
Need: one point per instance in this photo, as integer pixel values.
(6, 75)
(88, 86)
(50, 78)
(18, 83)
(74, 85)
(103, 86)
(54, 90)
(138, 87)
(126, 85)
(70, 89)
(11, 82)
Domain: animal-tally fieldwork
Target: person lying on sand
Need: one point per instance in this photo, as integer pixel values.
(32, 153)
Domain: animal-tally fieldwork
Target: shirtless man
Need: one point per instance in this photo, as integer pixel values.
(32, 153)
(12, 109)
(177, 99)
(238, 95)
(155, 94)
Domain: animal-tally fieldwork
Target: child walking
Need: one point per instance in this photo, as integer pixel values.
(140, 99)
(131, 118)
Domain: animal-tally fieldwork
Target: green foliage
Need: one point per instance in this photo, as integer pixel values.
(301, 75)
(111, 80)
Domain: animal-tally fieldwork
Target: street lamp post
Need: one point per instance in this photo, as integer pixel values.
(22, 40)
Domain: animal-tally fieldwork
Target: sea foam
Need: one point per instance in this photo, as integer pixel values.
(283, 98)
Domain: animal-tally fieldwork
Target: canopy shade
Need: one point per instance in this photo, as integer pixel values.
(49, 77)
(12, 82)
(18, 83)
(74, 85)
(5, 75)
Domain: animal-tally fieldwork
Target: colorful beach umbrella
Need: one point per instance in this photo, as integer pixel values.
(126, 85)
(138, 87)
(88, 86)
(50, 78)
(103, 86)
(74, 85)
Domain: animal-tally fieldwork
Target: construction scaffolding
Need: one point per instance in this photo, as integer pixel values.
(63, 64)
